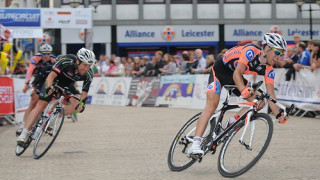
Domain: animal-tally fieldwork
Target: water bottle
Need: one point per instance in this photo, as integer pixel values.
(37, 133)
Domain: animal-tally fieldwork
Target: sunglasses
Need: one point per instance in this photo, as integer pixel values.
(45, 53)
(277, 52)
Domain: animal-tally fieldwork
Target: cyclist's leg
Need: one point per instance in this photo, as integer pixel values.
(33, 102)
(71, 106)
(213, 97)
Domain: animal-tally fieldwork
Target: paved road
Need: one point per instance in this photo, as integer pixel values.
(132, 143)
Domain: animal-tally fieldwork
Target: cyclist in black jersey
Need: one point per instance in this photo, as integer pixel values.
(66, 71)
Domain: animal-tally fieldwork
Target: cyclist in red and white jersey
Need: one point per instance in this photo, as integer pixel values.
(229, 70)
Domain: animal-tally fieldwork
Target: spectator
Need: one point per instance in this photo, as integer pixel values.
(20, 69)
(310, 45)
(303, 61)
(296, 38)
(127, 67)
(210, 63)
(222, 52)
(119, 70)
(169, 65)
(135, 68)
(291, 58)
(111, 69)
(177, 61)
(315, 62)
(151, 68)
(201, 64)
(143, 64)
(188, 64)
(105, 66)
(158, 55)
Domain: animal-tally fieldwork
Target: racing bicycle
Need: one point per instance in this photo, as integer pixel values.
(48, 125)
(244, 141)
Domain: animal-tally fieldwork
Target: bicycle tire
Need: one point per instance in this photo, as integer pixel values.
(225, 169)
(37, 155)
(20, 150)
(189, 161)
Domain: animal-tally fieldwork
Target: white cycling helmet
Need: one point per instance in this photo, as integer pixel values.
(274, 40)
(87, 56)
(45, 48)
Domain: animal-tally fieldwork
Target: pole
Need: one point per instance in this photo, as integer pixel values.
(310, 16)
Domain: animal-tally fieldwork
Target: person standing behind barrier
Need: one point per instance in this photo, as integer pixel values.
(151, 68)
(202, 63)
(127, 67)
(119, 70)
(169, 65)
(158, 55)
(143, 64)
(210, 63)
(315, 62)
(135, 68)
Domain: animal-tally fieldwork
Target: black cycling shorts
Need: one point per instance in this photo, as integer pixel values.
(221, 76)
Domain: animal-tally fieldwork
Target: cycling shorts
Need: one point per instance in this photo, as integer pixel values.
(221, 76)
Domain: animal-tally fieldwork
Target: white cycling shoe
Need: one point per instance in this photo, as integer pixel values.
(195, 149)
(22, 139)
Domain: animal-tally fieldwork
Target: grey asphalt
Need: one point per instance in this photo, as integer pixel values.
(132, 143)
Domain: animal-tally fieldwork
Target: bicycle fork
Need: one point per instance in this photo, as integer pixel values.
(247, 122)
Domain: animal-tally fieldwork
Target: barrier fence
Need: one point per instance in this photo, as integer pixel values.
(177, 91)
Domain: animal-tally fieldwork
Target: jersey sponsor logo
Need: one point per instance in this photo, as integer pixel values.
(271, 74)
(249, 54)
(70, 73)
(33, 61)
(210, 86)
(57, 70)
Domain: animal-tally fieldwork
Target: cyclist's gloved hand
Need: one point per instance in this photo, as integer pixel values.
(49, 91)
(247, 92)
(81, 106)
(281, 118)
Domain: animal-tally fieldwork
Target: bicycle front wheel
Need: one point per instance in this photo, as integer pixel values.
(236, 158)
(48, 133)
(177, 156)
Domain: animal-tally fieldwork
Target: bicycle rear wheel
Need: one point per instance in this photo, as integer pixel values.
(177, 156)
(47, 136)
(236, 158)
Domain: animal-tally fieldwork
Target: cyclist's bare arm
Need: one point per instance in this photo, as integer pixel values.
(50, 78)
(84, 94)
(237, 76)
(274, 107)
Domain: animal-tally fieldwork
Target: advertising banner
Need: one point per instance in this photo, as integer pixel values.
(172, 33)
(176, 90)
(27, 32)
(6, 96)
(143, 91)
(66, 18)
(200, 90)
(303, 92)
(21, 100)
(255, 32)
(10, 17)
(110, 91)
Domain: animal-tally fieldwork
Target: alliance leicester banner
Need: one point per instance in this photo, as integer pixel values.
(6, 96)
(303, 92)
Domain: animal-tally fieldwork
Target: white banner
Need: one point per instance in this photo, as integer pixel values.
(110, 91)
(27, 32)
(200, 92)
(303, 92)
(21, 100)
(66, 18)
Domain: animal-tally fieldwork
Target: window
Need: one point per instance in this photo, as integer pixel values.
(260, 1)
(127, 1)
(105, 1)
(285, 1)
(208, 1)
(234, 1)
(67, 2)
(154, 1)
(181, 1)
